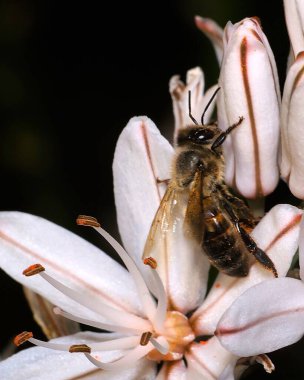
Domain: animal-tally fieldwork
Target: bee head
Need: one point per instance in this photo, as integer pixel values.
(197, 135)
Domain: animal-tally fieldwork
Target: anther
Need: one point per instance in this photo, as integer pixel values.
(22, 338)
(80, 348)
(89, 221)
(33, 269)
(145, 338)
(151, 262)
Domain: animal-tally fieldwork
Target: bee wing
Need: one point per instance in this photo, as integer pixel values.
(176, 254)
(193, 223)
(164, 222)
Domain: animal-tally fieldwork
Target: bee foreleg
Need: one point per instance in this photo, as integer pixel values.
(222, 137)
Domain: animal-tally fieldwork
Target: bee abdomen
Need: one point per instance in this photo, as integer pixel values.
(224, 247)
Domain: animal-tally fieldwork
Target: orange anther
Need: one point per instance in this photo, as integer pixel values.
(145, 338)
(151, 262)
(33, 269)
(89, 221)
(22, 338)
(80, 348)
(217, 285)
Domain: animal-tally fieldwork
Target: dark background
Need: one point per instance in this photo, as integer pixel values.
(71, 76)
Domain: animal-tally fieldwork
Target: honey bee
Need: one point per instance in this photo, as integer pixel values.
(214, 217)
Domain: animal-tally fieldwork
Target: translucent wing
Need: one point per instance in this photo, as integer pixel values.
(164, 226)
(179, 257)
(193, 223)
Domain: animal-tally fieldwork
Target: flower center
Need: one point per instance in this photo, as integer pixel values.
(178, 333)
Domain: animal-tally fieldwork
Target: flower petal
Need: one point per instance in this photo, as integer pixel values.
(214, 32)
(175, 370)
(52, 325)
(301, 250)
(264, 318)
(146, 152)
(228, 373)
(207, 360)
(294, 11)
(142, 158)
(277, 234)
(195, 83)
(254, 94)
(27, 239)
(38, 363)
(292, 117)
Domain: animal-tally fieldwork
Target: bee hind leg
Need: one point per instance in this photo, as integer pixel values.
(257, 252)
(251, 245)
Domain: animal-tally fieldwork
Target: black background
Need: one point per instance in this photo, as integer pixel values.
(71, 76)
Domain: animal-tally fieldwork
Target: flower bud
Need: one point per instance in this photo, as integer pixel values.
(249, 89)
(214, 32)
(294, 12)
(292, 118)
(195, 83)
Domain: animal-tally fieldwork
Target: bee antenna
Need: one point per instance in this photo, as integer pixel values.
(189, 108)
(208, 104)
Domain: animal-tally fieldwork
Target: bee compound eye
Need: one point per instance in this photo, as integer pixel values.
(201, 135)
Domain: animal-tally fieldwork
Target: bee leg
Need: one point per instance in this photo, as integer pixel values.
(222, 137)
(251, 245)
(165, 181)
(245, 217)
(257, 252)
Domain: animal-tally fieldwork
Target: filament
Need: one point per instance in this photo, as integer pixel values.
(143, 291)
(99, 325)
(98, 307)
(161, 310)
(126, 361)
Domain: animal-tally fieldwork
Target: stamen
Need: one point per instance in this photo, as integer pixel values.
(112, 344)
(28, 336)
(143, 291)
(52, 346)
(161, 310)
(116, 344)
(124, 362)
(89, 221)
(33, 269)
(145, 338)
(99, 325)
(80, 348)
(98, 307)
(160, 344)
(22, 338)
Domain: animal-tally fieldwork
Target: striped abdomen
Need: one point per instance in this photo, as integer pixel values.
(222, 242)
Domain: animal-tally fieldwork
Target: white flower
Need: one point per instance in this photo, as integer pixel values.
(249, 83)
(294, 15)
(249, 88)
(292, 115)
(89, 287)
